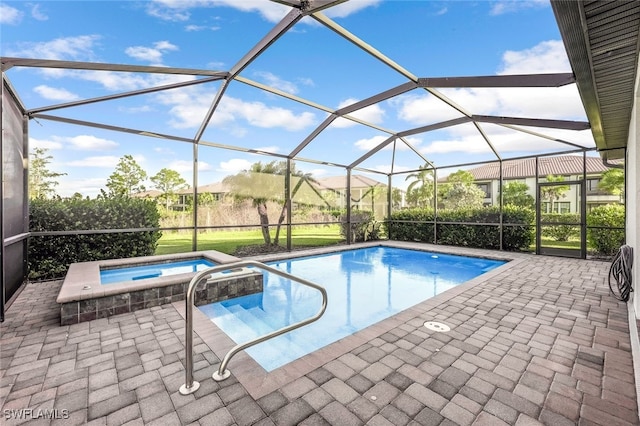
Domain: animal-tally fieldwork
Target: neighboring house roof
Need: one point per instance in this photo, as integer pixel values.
(340, 182)
(558, 165)
(213, 188)
(333, 182)
(153, 193)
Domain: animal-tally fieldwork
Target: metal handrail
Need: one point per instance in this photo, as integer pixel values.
(222, 373)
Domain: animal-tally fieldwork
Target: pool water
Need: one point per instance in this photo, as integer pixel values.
(133, 273)
(364, 286)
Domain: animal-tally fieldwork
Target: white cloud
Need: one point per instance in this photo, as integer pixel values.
(136, 110)
(184, 166)
(122, 81)
(189, 108)
(37, 14)
(86, 186)
(164, 151)
(102, 161)
(71, 48)
(316, 172)
(502, 7)
(466, 139)
(191, 28)
(371, 114)
(178, 10)
(233, 166)
(42, 143)
(91, 143)
(345, 9)
(9, 15)
(546, 57)
(370, 143)
(274, 81)
(272, 148)
(54, 94)
(424, 109)
(153, 54)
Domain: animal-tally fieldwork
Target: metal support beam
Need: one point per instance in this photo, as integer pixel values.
(524, 80)
(276, 32)
(534, 122)
(313, 135)
(108, 127)
(487, 140)
(372, 151)
(8, 62)
(124, 95)
(398, 90)
(436, 126)
(212, 109)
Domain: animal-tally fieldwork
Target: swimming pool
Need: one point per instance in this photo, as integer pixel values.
(364, 286)
(153, 270)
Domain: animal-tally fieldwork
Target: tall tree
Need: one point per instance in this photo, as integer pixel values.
(460, 191)
(127, 179)
(168, 182)
(258, 184)
(301, 179)
(42, 180)
(613, 182)
(516, 194)
(265, 182)
(420, 190)
(555, 192)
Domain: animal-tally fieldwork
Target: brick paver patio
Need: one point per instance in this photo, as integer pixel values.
(542, 342)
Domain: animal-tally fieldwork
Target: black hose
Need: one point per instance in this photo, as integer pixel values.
(621, 272)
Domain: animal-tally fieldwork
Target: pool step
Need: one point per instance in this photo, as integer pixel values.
(229, 320)
(253, 322)
(252, 318)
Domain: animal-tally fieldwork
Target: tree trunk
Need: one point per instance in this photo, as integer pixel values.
(264, 222)
(283, 213)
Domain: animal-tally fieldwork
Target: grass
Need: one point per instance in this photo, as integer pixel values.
(229, 241)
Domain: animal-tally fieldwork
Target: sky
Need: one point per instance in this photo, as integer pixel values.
(426, 38)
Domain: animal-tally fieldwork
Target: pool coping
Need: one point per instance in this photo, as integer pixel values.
(82, 281)
(258, 382)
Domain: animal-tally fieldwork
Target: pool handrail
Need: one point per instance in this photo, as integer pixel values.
(222, 373)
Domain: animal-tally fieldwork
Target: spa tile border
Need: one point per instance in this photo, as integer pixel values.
(208, 292)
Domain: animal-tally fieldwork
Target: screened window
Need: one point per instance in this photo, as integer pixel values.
(562, 207)
(486, 188)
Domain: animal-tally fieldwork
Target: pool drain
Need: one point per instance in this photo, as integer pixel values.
(437, 326)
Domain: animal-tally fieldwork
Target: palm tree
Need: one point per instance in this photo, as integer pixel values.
(420, 191)
(263, 183)
(303, 178)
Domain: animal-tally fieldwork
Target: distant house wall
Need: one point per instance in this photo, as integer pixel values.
(569, 204)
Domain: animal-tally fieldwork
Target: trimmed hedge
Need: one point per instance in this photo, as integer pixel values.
(50, 256)
(560, 232)
(517, 235)
(606, 241)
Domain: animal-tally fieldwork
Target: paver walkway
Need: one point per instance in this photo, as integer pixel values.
(541, 343)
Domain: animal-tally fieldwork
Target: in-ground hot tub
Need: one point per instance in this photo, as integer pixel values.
(86, 296)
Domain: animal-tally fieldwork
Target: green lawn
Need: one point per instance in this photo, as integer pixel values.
(229, 241)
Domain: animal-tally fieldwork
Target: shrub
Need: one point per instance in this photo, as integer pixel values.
(51, 255)
(363, 226)
(417, 225)
(560, 232)
(606, 241)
